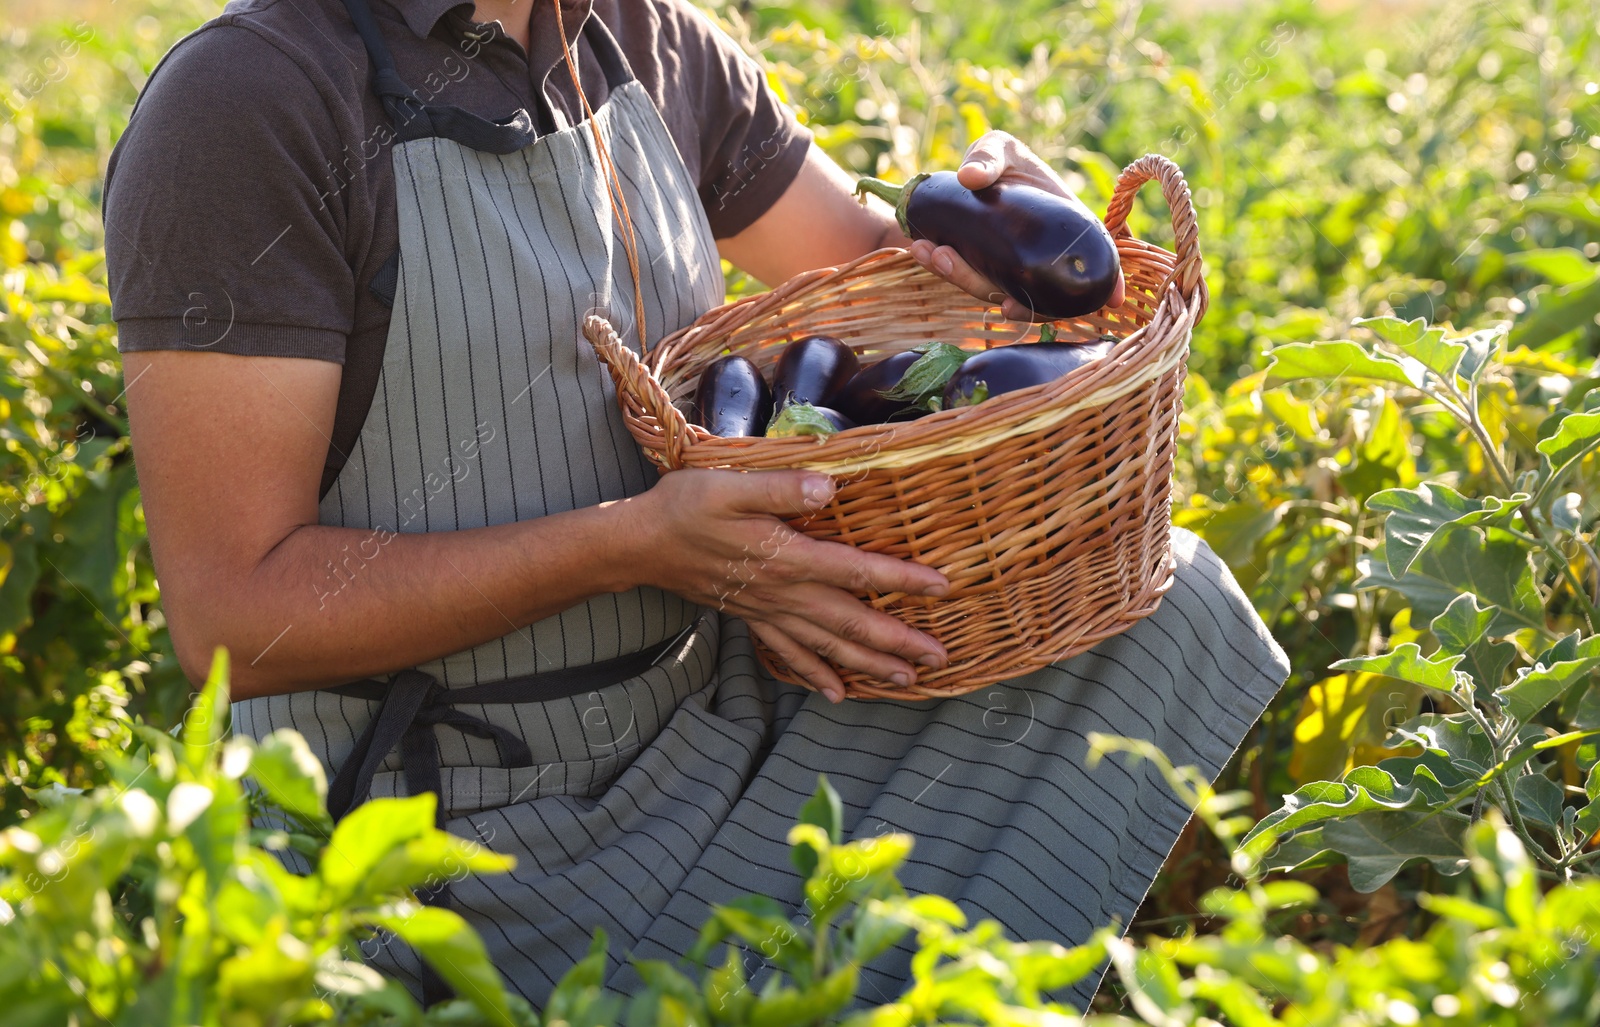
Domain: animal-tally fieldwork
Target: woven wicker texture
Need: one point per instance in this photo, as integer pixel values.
(1047, 508)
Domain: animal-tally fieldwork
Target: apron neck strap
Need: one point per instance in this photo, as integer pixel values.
(398, 100)
(402, 105)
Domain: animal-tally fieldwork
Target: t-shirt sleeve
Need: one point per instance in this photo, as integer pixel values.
(222, 231)
(751, 145)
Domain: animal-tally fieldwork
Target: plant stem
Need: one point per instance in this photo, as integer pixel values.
(1521, 827)
(1578, 858)
(1467, 414)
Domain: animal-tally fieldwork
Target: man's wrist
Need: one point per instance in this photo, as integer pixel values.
(630, 544)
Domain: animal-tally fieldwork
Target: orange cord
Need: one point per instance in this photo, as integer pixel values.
(613, 183)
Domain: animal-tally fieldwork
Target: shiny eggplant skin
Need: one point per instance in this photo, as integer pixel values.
(733, 399)
(1010, 368)
(862, 398)
(840, 420)
(1048, 252)
(811, 370)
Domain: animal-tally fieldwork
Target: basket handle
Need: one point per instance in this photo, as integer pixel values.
(1176, 192)
(638, 384)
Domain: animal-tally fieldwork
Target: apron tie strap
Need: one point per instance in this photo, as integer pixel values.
(415, 703)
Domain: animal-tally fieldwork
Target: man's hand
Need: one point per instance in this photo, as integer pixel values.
(995, 156)
(717, 539)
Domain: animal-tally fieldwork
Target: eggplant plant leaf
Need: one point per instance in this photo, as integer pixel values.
(1489, 564)
(1539, 799)
(1481, 347)
(1364, 790)
(1378, 845)
(1407, 663)
(1463, 628)
(1576, 435)
(1559, 312)
(1330, 361)
(1454, 736)
(1418, 339)
(1416, 516)
(1565, 265)
(1537, 686)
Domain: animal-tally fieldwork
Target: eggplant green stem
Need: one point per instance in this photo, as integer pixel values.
(897, 195)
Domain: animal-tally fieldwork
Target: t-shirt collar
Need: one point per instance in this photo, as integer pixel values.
(421, 16)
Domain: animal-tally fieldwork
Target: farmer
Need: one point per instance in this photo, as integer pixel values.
(351, 243)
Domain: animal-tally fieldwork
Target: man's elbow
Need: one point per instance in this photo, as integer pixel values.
(200, 641)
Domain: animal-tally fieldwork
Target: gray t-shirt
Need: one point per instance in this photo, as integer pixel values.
(251, 202)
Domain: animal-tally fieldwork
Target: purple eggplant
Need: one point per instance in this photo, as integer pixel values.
(863, 398)
(807, 419)
(813, 370)
(733, 399)
(1009, 368)
(1048, 252)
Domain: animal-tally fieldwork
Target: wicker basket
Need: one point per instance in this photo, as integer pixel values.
(1047, 508)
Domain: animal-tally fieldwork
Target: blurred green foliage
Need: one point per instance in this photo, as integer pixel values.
(1442, 163)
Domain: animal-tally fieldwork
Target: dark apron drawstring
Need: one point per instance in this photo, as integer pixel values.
(414, 703)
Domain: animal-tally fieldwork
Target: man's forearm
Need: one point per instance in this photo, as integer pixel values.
(329, 605)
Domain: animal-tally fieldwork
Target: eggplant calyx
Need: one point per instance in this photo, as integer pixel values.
(898, 195)
(799, 419)
(938, 363)
(979, 393)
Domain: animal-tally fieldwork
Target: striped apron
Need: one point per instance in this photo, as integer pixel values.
(630, 752)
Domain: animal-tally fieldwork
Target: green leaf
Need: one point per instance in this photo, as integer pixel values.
(762, 924)
(266, 977)
(1539, 799)
(1342, 714)
(579, 990)
(1363, 790)
(1378, 845)
(875, 929)
(1537, 686)
(1383, 455)
(1455, 736)
(1576, 435)
(1565, 265)
(1558, 312)
(1451, 907)
(1331, 361)
(1240, 1004)
(1463, 628)
(926, 378)
(1421, 341)
(1588, 818)
(369, 833)
(203, 724)
(1491, 565)
(1407, 663)
(19, 573)
(790, 1007)
(1232, 530)
(1481, 347)
(291, 776)
(825, 811)
(1417, 515)
(725, 992)
(847, 872)
(431, 860)
(799, 419)
(454, 949)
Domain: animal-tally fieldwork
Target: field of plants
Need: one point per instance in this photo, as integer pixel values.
(1392, 410)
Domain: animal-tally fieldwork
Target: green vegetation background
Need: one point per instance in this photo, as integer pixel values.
(1442, 163)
